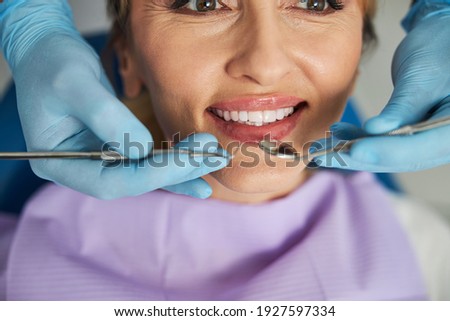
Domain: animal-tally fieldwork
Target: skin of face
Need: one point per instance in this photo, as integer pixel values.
(253, 50)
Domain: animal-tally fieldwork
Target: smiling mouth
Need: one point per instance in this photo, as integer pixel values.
(255, 118)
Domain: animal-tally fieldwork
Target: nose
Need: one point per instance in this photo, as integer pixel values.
(262, 53)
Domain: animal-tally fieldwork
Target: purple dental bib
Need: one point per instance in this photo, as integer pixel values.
(334, 238)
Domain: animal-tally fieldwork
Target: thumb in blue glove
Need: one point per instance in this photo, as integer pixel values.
(420, 69)
(420, 73)
(65, 102)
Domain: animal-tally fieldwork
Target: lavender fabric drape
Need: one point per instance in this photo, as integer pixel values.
(335, 238)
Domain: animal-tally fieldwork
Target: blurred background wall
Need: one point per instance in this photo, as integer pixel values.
(372, 93)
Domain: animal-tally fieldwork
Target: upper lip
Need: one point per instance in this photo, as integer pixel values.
(258, 103)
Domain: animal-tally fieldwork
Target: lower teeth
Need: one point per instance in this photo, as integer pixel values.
(256, 124)
(253, 124)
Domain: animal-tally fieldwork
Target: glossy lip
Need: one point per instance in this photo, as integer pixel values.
(258, 103)
(254, 134)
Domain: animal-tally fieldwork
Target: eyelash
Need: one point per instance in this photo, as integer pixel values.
(180, 4)
(334, 4)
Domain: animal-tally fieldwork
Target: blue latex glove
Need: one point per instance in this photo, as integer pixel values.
(421, 76)
(65, 102)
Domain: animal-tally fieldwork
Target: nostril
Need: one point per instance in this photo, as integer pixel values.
(263, 68)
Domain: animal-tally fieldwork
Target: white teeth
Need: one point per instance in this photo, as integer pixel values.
(243, 116)
(270, 116)
(280, 114)
(254, 118)
(288, 111)
(226, 115)
(235, 116)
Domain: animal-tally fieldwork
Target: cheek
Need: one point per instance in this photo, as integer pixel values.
(331, 68)
(177, 77)
(173, 62)
(331, 64)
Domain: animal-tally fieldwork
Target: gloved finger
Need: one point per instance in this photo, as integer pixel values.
(397, 117)
(401, 110)
(330, 159)
(109, 119)
(320, 145)
(197, 188)
(420, 73)
(125, 179)
(205, 143)
(107, 180)
(393, 154)
(442, 109)
(346, 131)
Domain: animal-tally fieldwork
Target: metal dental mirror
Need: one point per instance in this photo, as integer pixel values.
(287, 151)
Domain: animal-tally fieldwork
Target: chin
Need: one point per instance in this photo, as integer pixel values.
(241, 182)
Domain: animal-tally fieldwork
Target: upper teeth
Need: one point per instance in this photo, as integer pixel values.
(254, 118)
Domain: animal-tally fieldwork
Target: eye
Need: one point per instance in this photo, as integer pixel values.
(314, 5)
(198, 5)
(203, 5)
(320, 5)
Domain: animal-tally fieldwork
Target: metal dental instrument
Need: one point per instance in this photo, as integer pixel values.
(98, 155)
(286, 151)
(276, 148)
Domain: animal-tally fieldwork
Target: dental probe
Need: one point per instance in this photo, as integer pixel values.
(105, 156)
(287, 151)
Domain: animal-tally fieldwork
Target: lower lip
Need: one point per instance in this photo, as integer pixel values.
(254, 134)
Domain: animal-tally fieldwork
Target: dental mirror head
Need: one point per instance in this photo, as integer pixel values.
(279, 149)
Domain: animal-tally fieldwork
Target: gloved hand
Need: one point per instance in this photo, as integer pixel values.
(421, 76)
(65, 102)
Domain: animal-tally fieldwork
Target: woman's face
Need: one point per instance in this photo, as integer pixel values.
(243, 69)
